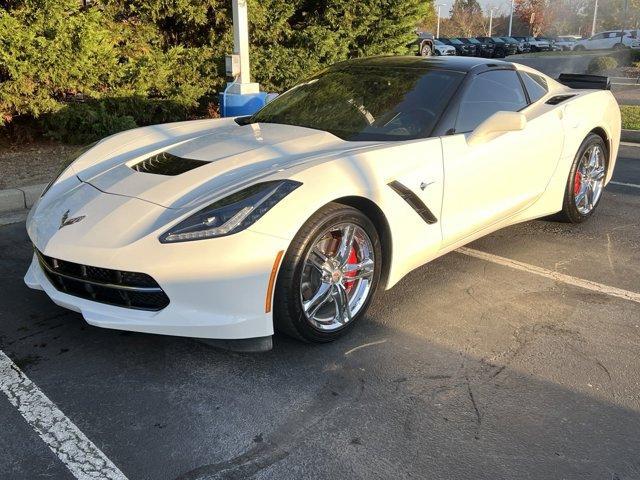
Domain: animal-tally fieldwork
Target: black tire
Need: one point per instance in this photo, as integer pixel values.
(619, 46)
(426, 50)
(289, 317)
(579, 48)
(569, 212)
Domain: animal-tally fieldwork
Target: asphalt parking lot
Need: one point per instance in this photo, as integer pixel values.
(469, 368)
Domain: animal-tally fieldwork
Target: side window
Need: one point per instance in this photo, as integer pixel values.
(599, 36)
(535, 84)
(488, 93)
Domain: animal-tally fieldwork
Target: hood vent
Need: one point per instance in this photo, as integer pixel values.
(167, 164)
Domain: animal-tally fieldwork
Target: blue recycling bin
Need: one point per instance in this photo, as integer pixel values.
(235, 105)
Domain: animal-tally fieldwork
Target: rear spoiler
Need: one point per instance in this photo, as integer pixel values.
(592, 82)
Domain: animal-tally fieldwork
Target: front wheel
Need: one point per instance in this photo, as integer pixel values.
(425, 50)
(328, 276)
(586, 181)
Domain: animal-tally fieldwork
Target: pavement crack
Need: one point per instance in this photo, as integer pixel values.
(473, 402)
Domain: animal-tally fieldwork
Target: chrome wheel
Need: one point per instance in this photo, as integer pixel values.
(589, 180)
(337, 276)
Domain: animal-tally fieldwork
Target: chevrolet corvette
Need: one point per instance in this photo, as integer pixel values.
(292, 218)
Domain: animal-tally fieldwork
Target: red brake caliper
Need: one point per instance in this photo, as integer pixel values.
(577, 183)
(353, 259)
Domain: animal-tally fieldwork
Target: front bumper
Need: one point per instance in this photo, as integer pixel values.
(215, 290)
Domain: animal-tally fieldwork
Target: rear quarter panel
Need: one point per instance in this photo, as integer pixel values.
(589, 110)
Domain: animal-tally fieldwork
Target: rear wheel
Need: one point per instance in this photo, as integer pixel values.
(329, 275)
(586, 181)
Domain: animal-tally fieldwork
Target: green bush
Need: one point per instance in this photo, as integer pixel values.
(626, 56)
(630, 117)
(80, 123)
(601, 64)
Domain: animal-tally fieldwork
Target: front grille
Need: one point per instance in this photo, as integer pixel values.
(114, 287)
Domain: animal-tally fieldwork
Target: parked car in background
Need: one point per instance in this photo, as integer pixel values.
(551, 42)
(566, 42)
(462, 48)
(424, 45)
(612, 39)
(523, 46)
(500, 48)
(482, 49)
(520, 46)
(536, 45)
(443, 49)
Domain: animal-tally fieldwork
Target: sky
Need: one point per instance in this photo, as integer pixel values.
(501, 4)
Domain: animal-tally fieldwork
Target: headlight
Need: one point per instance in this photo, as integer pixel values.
(232, 214)
(66, 162)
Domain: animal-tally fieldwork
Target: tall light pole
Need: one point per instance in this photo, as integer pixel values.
(595, 16)
(243, 84)
(490, 21)
(511, 18)
(438, 24)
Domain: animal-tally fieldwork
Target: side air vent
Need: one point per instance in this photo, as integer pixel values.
(414, 201)
(167, 164)
(558, 99)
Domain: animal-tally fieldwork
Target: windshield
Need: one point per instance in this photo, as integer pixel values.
(497, 39)
(473, 40)
(455, 41)
(438, 42)
(366, 102)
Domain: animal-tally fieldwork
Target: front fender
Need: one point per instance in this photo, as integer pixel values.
(367, 175)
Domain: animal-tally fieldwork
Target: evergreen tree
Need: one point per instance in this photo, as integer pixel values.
(143, 61)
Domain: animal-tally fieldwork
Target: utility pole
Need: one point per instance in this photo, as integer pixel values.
(438, 24)
(511, 18)
(595, 17)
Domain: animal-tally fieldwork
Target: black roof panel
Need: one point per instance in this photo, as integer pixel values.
(460, 64)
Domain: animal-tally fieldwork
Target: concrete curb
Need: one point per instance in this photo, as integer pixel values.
(632, 136)
(21, 198)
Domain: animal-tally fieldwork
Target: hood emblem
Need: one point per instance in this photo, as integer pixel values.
(65, 221)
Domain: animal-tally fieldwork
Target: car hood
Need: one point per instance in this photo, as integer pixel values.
(228, 156)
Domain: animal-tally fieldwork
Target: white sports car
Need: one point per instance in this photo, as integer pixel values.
(292, 218)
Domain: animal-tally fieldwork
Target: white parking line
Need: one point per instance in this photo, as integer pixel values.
(73, 448)
(557, 276)
(633, 185)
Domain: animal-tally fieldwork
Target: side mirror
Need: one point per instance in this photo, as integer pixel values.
(499, 122)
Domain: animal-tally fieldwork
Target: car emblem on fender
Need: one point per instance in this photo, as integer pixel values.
(65, 221)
